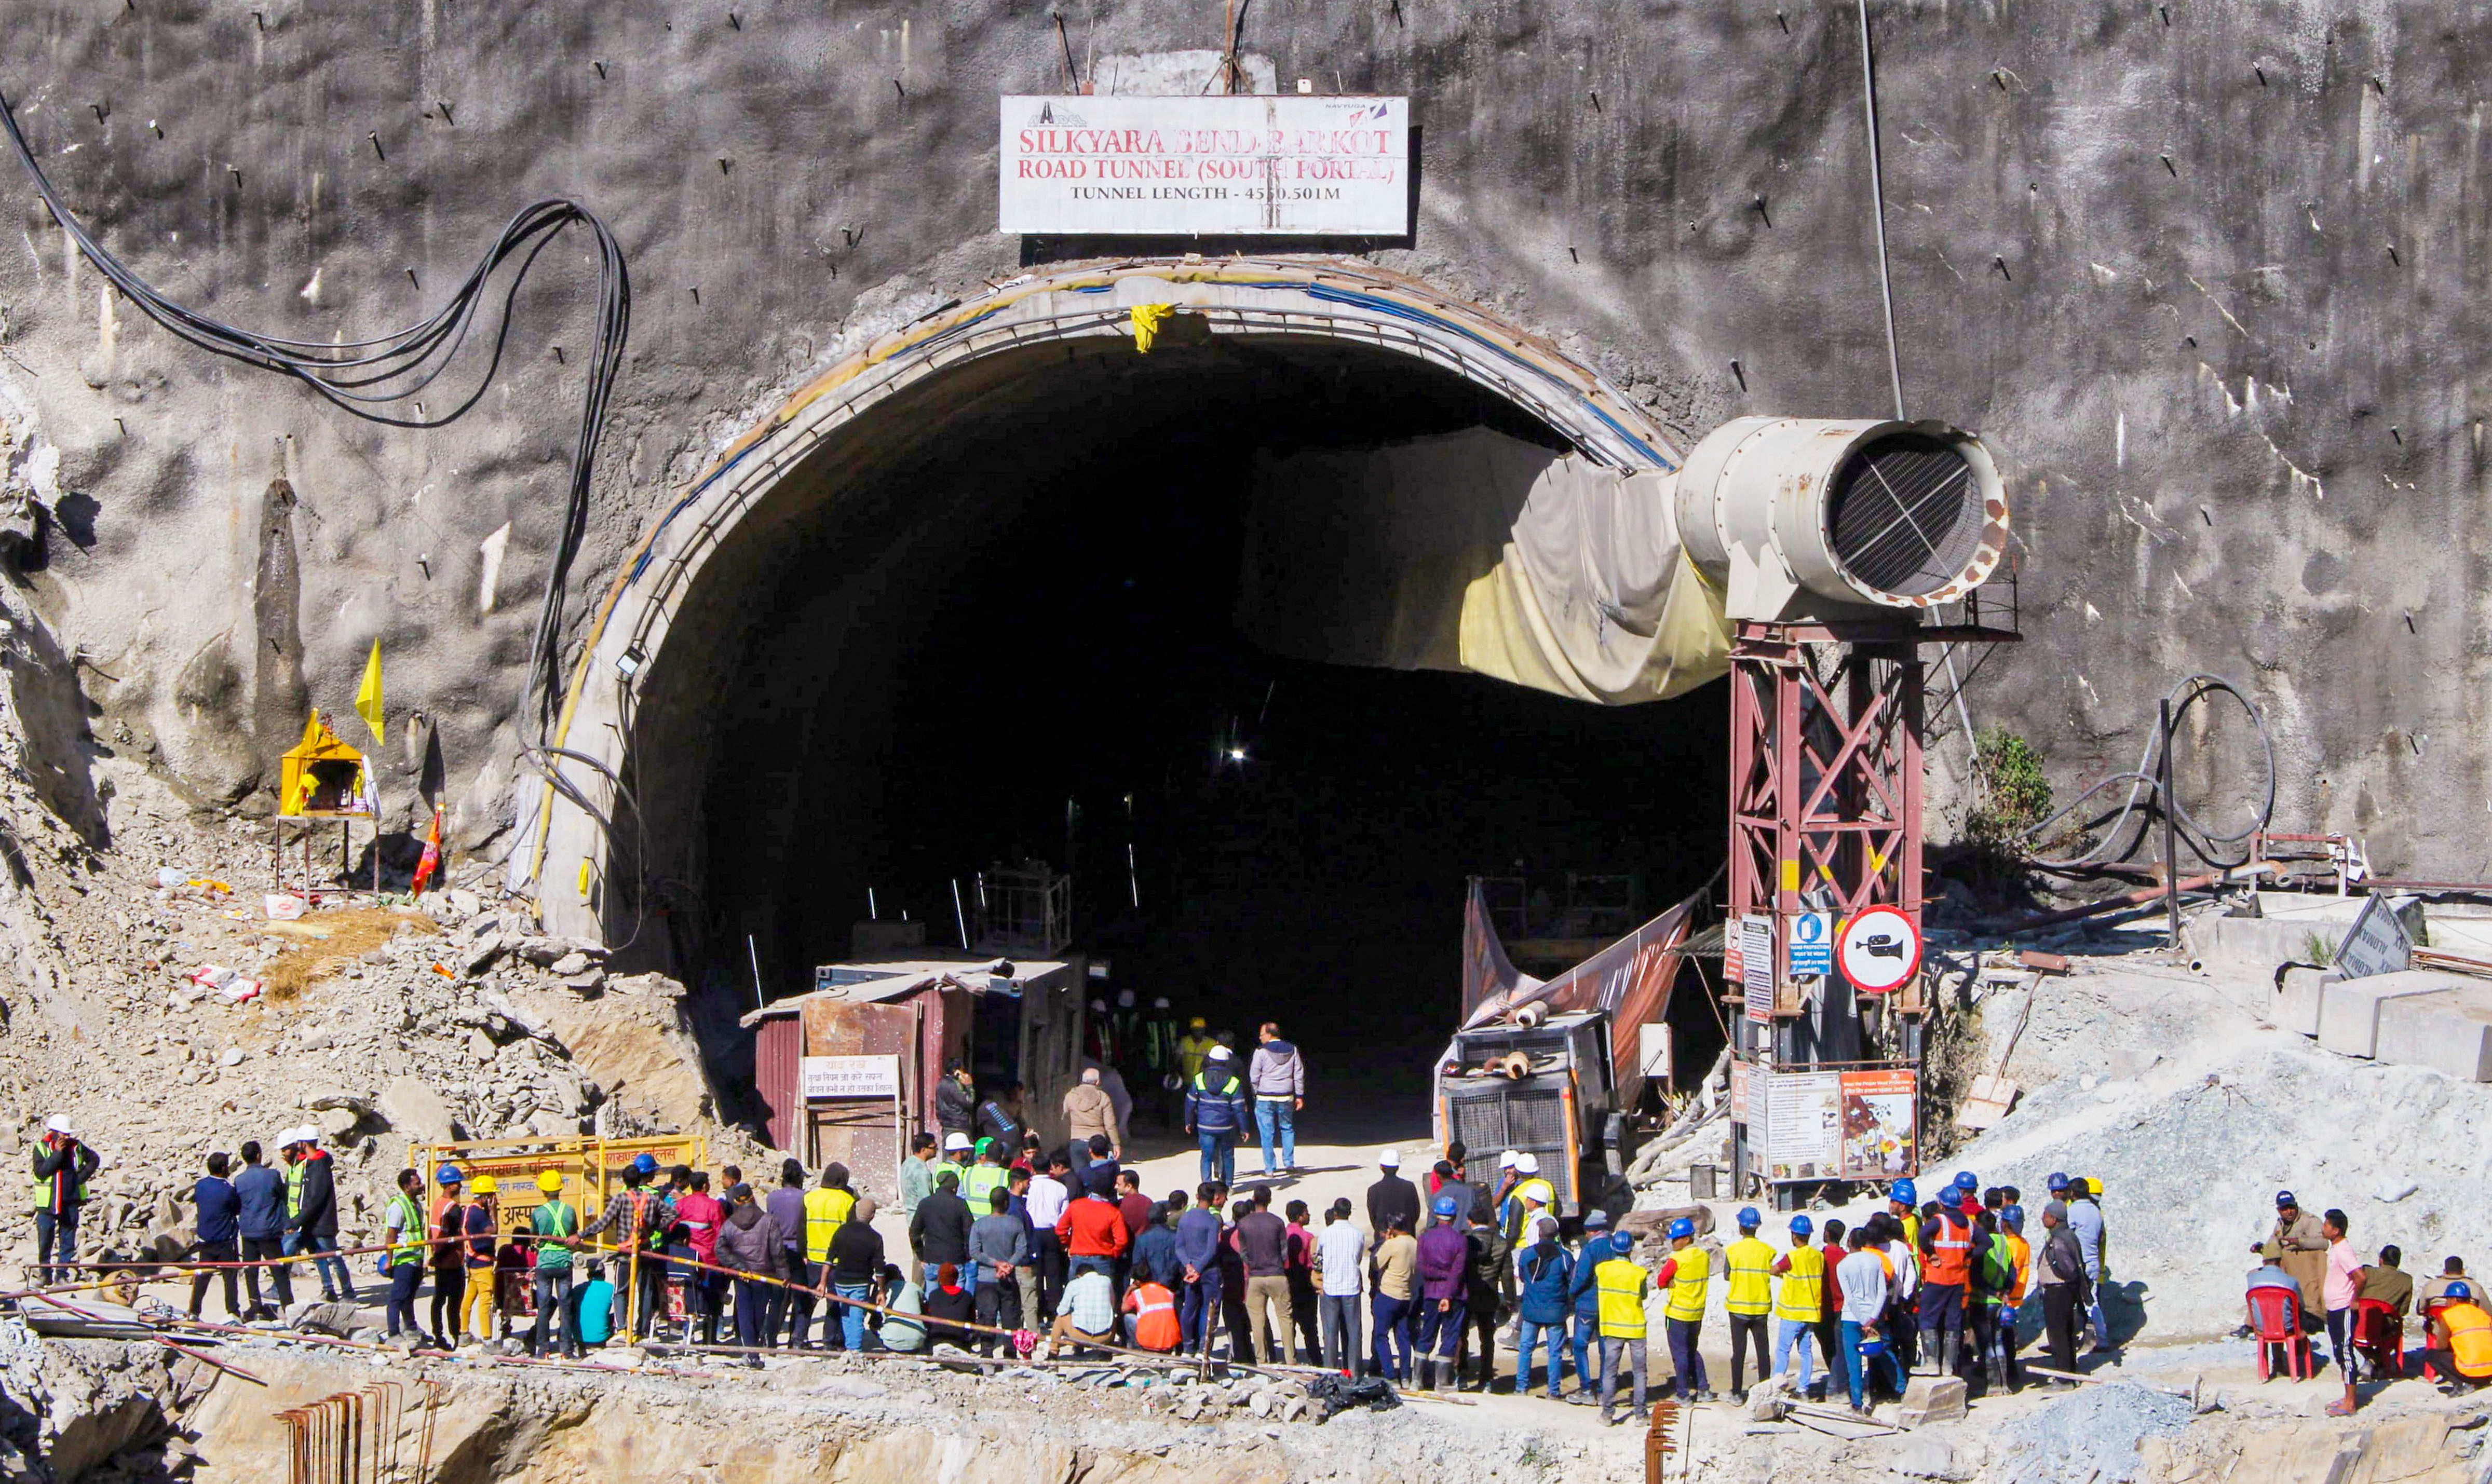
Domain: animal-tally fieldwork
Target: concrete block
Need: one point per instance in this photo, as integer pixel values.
(2450, 1032)
(2348, 1010)
(2257, 945)
(1933, 1399)
(2297, 1000)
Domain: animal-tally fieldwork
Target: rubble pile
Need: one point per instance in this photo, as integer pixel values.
(458, 1020)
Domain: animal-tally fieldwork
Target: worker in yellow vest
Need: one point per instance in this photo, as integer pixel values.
(1749, 1265)
(1800, 1301)
(981, 1180)
(1532, 1199)
(403, 1261)
(956, 1158)
(827, 1206)
(1622, 1286)
(1192, 1048)
(1683, 1279)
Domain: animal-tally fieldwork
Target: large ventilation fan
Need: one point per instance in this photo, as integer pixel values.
(1805, 517)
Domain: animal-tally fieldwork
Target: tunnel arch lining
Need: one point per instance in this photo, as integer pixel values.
(561, 863)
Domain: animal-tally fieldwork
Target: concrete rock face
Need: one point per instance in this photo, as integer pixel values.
(2204, 286)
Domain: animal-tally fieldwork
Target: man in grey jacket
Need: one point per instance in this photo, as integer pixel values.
(1278, 1078)
(999, 1246)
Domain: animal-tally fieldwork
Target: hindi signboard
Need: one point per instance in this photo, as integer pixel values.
(851, 1077)
(1757, 964)
(1270, 165)
(1804, 1125)
(1880, 1124)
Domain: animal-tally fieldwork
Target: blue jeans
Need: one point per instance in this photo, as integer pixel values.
(1528, 1335)
(1441, 1330)
(1588, 1355)
(1200, 1308)
(304, 1241)
(752, 1313)
(1091, 1263)
(56, 1233)
(1279, 1114)
(1854, 1363)
(1785, 1332)
(1218, 1156)
(1391, 1343)
(852, 1318)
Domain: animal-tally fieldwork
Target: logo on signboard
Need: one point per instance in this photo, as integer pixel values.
(1811, 944)
(1879, 951)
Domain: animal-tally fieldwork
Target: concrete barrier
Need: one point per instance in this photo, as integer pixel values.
(2450, 1032)
(2298, 997)
(2255, 944)
(2348, 1010)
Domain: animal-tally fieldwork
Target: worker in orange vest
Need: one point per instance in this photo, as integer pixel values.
(1947, 1270)
(2460, 1343)
(1154, 1325)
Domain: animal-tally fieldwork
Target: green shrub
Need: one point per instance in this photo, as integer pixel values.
(2011, 795)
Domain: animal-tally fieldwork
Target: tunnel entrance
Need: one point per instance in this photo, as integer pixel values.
(1011, 611)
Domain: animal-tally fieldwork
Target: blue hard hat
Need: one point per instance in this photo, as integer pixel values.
(448, 1175)
(1904, 1190)
(1682, 1227)
(1621, 1242)
(646, 1163)
(1801, 1225)
(2460, 1290)
(2012, 1218)
(1445, 1205)
(1964, 1180)
(2056, 1182)
(1749, 1220)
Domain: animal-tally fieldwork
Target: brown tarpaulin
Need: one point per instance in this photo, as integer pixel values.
(1631, 978)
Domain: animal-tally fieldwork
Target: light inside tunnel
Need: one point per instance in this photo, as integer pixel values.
(996, 620)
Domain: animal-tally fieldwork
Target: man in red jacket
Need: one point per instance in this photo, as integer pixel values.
(698, 1215)
(1092, 1230)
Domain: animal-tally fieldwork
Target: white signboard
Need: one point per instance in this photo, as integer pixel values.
(1804, 1123)
(851, 1077)
(2376, 944)
(1757, 964)
(1881, 949)
(1217, 166)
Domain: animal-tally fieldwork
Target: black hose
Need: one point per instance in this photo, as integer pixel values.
(361, 375)
(2144, 783)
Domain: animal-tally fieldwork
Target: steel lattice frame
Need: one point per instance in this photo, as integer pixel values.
(1826, 775)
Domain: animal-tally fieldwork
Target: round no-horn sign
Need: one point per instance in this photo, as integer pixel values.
(1881, 950)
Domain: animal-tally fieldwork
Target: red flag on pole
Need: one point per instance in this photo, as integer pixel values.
(432, 861)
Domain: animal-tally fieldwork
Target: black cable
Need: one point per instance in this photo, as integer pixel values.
(361, 376)
(2146, 783)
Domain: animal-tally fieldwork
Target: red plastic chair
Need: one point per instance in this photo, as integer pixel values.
(2381, 1335)
(2275, 1314)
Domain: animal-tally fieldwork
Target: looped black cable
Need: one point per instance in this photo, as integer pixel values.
(360, 376)
(2144, 783)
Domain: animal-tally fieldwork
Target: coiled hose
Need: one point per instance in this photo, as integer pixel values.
(2143, 782)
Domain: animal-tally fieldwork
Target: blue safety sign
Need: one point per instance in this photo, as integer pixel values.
(1811, 944)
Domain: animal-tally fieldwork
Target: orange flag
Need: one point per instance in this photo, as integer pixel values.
(432, 861)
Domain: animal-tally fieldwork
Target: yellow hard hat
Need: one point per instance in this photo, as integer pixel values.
(550, 1181)
(483, 1185)
(1197, 1023)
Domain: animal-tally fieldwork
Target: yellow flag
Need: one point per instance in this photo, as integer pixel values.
(368, 695)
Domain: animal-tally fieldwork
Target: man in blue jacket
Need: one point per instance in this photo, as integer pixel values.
(219, 1210)
(262, 1191)
(1197, 1256)
(1584, 1291)
(1545, 1272)
(1215, 1112)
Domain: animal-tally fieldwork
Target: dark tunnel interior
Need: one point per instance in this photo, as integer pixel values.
(996, 623)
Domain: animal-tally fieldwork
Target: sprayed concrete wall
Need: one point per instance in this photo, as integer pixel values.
(2200, 272)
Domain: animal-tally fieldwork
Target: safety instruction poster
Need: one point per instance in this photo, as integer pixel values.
(1881, 1123)
(1757, 964)
(1804, 1124)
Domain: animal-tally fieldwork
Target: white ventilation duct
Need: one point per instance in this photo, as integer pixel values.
(1820, 517)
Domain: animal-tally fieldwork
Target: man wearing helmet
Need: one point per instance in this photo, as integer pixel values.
(1444, 1266)
(1683, 1278)
(556, 1225)
(1748, 1265)
(2458, 1342)
(1622, 1287)
(640, 1218)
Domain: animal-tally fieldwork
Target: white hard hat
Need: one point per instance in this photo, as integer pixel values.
(310, 1132)
(956, 1140)
(1219, 1054)
(1390, 1159)
(1098, 1007)
(57, 1124)
(1126, 998)
(1508, 1160)
(1526, 1164)
(1161, 1003)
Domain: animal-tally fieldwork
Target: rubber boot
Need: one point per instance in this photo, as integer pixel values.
(1998, 1373)
(1427, 1375)
(1948, 1344)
